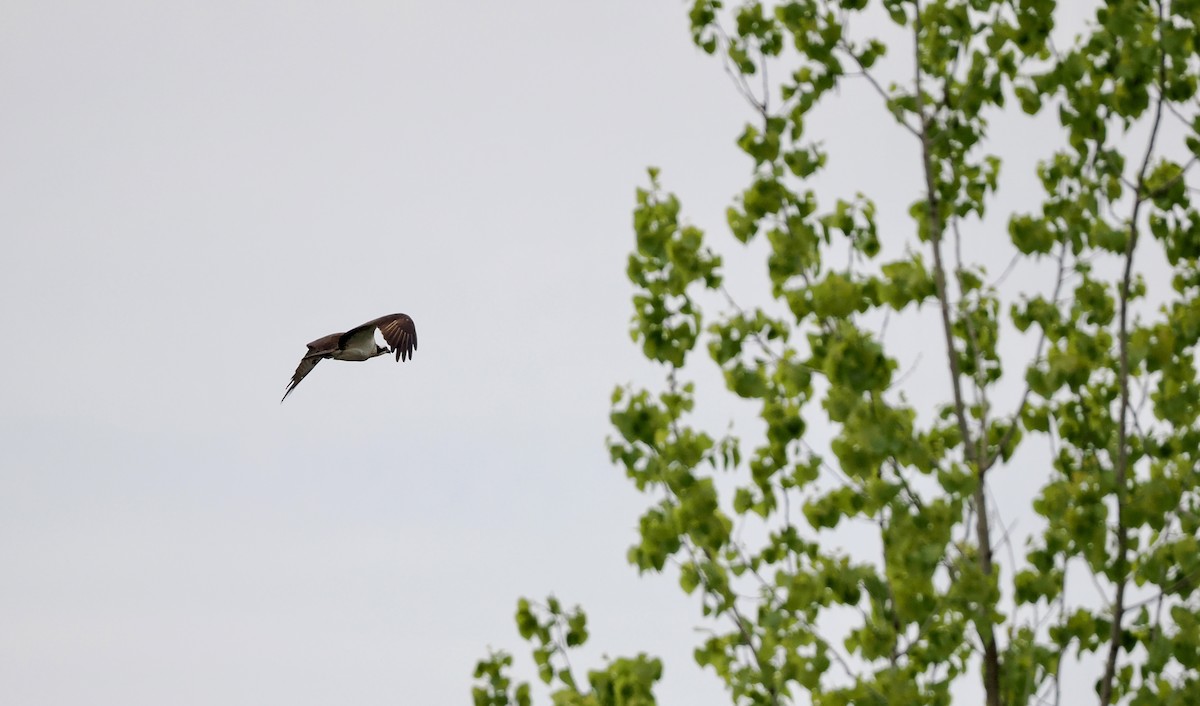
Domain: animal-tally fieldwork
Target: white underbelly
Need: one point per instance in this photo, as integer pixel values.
(363, 348)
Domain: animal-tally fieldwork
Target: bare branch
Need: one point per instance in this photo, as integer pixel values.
(735, 73)
(1037, 356)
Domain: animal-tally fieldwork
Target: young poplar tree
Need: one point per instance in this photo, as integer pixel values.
(1107, 402)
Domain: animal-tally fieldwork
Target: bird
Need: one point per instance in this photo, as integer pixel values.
(359, 344)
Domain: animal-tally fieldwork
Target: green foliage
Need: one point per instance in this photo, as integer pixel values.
(1102, 404)
(554, 631)
(668, 259)
(495, 690)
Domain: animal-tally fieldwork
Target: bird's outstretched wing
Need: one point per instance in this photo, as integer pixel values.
(307, 363)
(398, 330)
(318, 349)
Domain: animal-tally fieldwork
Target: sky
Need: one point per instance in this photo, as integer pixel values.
(190, 192)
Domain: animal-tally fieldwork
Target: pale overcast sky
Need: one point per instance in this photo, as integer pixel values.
(191, 191)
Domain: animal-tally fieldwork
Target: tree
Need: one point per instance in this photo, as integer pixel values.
(1104, 411)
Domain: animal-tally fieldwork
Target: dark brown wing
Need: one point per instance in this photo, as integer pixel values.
(307, 363)
(325, 344)
(398, 330)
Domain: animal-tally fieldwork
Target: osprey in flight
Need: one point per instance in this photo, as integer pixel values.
(359, 344)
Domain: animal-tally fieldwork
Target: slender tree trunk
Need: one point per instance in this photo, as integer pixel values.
(1122, 465)
(937, 227)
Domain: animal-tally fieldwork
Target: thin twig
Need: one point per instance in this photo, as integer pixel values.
(1008, 270)
(736, 74)
(755, 334)
(911, 369)
(879, 89)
